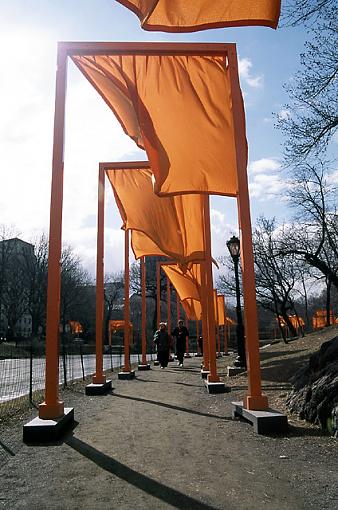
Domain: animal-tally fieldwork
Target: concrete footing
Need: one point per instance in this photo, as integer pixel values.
(98, 389)
(216, 387)
(232, 371)
(123, 376)
(48, 431)
(143, 367)
(264, 422)
(204, 374)
(187, 355)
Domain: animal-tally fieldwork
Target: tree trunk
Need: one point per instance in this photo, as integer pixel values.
(328, 302)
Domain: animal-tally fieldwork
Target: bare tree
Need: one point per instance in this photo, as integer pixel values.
(113, 286)
(313, 236)
(35, 268)
(277, 274)
(151, 286)
(6, 252)
(312, 117)
(74, 281)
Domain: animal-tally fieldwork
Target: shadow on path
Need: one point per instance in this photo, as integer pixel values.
(166, 382)
(142, 482)
(7, 449)
(170, 406)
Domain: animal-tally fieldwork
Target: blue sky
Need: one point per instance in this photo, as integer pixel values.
(29, 30)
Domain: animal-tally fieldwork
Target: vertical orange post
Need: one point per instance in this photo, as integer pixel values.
(126, 367)
(204, 319)
(52, 407)
(213, 376)
(197, 336)
(254, 399)
(225, 331)
(99, 377)
(218, 338)
(187, 339)
(144, 316)
(178, 303)
(158, 293)
(168, 306)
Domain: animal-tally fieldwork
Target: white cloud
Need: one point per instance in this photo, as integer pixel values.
(267, 187)
(264, 165)
(245, 73)
(264, 182)
(93, 134)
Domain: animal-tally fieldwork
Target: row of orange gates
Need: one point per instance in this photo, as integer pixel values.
(183, 105)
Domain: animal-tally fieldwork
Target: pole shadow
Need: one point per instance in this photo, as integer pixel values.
(171, 406)
(142, 482)
(7, 449)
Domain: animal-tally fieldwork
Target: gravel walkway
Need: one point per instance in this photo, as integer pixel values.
(162, 442)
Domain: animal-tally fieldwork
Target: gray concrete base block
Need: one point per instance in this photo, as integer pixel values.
(98, 389)
(156, 363)
(143, 367)
(187, 355)
(232, 371)
(264, 422)
(216, 387)
(204, 374)
(123, 376)
(48, 431)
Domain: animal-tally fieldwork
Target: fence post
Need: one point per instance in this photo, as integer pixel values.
(82, 365)
(111, 358)
(64, 360)
(31, 372)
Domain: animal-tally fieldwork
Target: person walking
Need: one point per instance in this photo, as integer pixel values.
(162, 341)
(181, 334)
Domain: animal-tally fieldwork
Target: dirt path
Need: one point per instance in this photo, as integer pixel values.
(161, 442)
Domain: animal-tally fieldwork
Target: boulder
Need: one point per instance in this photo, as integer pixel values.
(314, 396)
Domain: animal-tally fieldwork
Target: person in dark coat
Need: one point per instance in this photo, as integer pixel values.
(181, 334)
(162, 341)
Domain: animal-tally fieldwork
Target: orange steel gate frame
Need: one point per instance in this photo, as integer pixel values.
(52, 407)
(99, 376)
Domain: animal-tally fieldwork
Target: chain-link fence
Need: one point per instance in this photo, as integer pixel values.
(22, 368)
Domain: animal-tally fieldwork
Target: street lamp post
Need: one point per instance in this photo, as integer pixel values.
(234, 248)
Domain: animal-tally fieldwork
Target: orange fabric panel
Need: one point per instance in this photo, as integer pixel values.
(229, 321)
(75, 327)
(319, 319)
(177, 108)
(187, 281)
(221, 309)
(192, 15)
(193, 309)
(296, 321)
(161, 226)
(116, 325)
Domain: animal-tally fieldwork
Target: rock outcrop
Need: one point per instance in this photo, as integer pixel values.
(315, 389)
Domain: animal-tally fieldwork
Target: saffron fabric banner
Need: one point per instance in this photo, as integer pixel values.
(187, 283)
(179, 109)
(170, 226)
(192, 15)
(221, 309)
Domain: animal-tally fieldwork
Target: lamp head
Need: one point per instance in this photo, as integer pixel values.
(234, 247)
